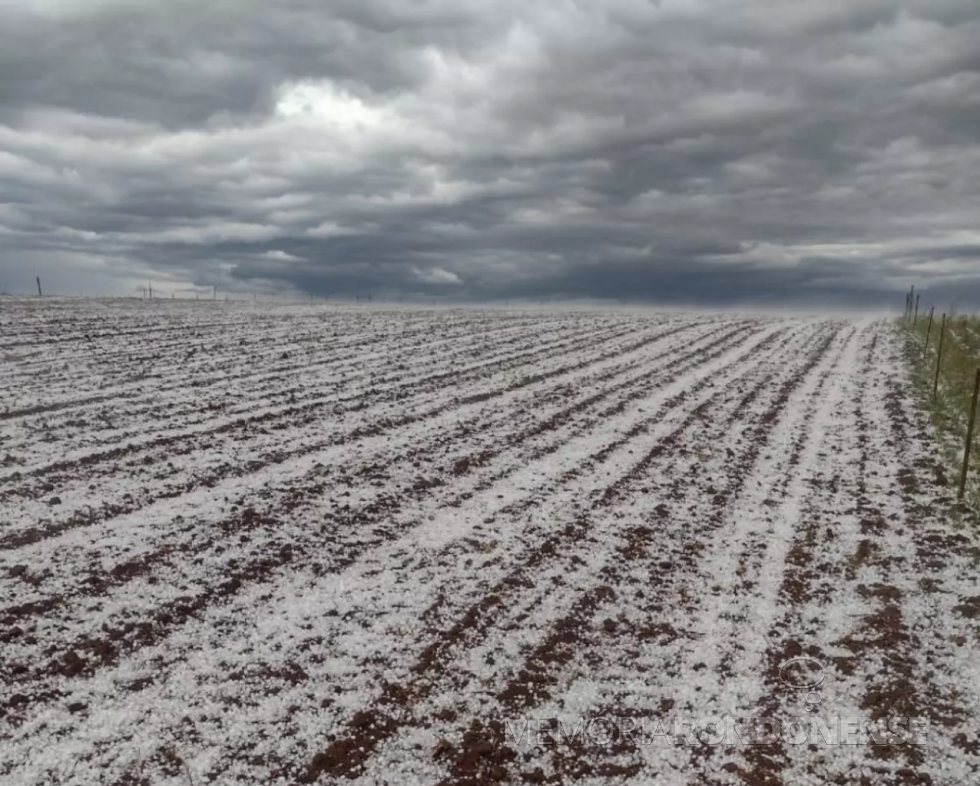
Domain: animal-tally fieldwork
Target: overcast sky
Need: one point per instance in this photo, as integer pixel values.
(712, 151)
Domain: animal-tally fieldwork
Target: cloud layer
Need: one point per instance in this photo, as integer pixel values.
(682, 150)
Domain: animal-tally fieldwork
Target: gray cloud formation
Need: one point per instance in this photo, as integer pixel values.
(680, 150)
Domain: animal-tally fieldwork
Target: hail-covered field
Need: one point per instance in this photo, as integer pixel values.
(250, 544)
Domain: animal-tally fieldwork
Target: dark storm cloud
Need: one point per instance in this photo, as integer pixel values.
(682, 150)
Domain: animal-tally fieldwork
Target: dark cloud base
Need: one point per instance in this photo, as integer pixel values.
(713, 153)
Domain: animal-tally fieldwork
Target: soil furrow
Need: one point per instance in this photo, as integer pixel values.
(306, 411)
(387, 425)
(349, 753)
(323, 476)
(87, 654)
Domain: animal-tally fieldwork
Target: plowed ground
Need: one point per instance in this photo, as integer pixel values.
(243, 544)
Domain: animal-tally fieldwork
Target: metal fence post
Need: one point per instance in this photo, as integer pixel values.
(969, 435)
(925, 348)
(939, 356)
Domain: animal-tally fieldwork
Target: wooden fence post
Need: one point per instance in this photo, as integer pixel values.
(939, 356)
(39, 292)
(915, 317)
(969, 434)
